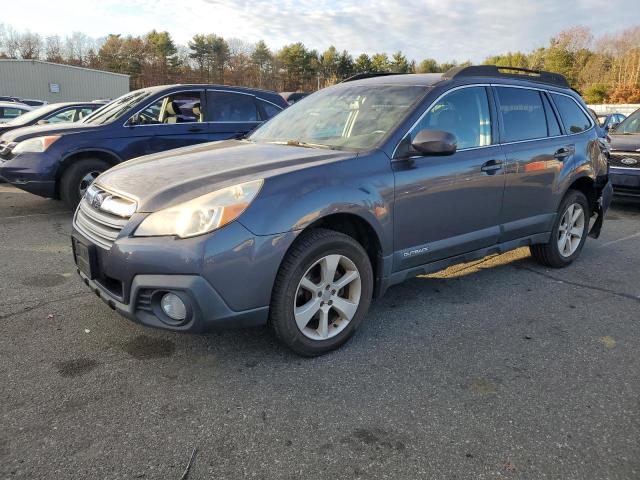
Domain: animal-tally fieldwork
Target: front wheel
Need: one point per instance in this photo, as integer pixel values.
(322, 292)
(568, 234)
(77, 178)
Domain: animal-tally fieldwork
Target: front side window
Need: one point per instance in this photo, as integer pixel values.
(523, 115)
(573, 118)
(231, 107)
(183, 107)
(345, 117)
(465, 113)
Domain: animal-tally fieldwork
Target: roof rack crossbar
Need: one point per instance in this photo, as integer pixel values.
(509, 72)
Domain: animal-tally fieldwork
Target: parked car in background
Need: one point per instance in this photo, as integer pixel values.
(34, 103)
(9, 99)
(11, 110)
(52, 113)
(624, 161)
(357, 188)
(61, 160)
(293, 97)
(610, 120)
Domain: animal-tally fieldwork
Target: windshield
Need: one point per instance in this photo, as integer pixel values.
(356, 117)
(630, 125)
(33, 115)
(118, 107)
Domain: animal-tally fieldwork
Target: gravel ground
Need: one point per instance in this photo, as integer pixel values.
(496, 369)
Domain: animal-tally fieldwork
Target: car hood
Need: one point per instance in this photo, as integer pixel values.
(24, 133)
(165, 179)
(625, 143)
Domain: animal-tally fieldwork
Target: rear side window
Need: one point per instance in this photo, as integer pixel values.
(573, 118)
(523, 115)
(231, 107)
(552, 121)
(465, 113)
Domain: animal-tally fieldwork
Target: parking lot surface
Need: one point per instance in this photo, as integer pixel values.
(496, 369)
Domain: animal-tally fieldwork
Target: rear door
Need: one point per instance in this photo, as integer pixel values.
(231, 114)
(535, 150)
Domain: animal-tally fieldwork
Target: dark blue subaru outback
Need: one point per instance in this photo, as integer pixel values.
(61, 161)
(351, 190)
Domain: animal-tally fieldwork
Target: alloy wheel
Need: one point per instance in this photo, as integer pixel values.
(327, 297)
(571, 229)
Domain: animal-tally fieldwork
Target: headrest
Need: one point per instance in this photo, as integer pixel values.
(172, 108)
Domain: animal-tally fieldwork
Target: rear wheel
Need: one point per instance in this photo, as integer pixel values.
(568, 234)
(322, 292)
(77, 178)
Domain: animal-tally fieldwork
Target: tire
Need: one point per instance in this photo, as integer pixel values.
(549, 254)
(74, 176)
(313, 256)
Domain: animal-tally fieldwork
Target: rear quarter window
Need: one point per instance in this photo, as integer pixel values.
(573, 118)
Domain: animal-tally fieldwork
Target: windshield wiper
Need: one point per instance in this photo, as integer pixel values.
(299, 143)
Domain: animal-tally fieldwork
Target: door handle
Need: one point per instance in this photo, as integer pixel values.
(564, 152)
(491, 167)
(195, 129)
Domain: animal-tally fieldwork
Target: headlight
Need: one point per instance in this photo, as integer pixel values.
(202, 214)
(36, 144)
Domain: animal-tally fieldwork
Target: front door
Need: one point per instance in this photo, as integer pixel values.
(449, 205)
(173, 121)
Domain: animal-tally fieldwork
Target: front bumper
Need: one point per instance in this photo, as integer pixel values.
(31, 172)
(225, 277)
(625, 180)
(206, 308)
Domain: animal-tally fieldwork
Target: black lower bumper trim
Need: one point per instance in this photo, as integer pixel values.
(208, 311)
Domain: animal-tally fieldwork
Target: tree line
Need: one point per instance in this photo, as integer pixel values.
(606, 69)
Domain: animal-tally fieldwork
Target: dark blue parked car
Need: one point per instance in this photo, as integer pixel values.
(61, 161)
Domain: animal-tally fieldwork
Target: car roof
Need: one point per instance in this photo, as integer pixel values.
(16, 104)
(180, 86)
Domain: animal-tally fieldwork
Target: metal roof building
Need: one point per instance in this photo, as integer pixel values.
(54, 82)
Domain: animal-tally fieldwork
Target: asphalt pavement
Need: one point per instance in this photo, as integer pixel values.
(495, 369)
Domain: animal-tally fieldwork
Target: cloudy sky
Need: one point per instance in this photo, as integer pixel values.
(441, 29)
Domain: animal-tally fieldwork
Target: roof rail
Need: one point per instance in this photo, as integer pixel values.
(360, 76)
(508, 72)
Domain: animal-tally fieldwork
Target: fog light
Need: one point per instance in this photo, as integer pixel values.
(173, 306)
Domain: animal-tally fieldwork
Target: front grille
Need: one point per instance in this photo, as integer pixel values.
(625, 159)
(100, 227)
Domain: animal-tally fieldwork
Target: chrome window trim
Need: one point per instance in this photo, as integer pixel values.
(540, 89)
(205, 90)
(460, 87)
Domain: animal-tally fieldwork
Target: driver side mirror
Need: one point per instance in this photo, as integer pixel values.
(435, 142)
(612, 126)
(134, 120)
(41, 122)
